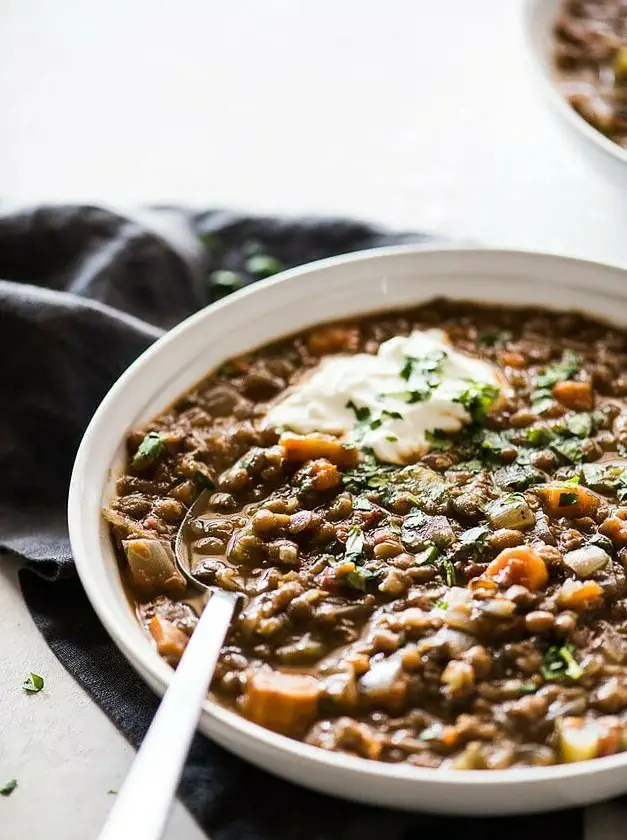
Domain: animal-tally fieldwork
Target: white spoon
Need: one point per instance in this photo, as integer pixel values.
(143, 804)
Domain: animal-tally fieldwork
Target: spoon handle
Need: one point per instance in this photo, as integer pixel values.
(143, 804)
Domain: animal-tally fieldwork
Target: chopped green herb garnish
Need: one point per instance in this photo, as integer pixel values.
(569, 450)
(539, 436)
(579, 425)
(427, 555)
(542, 400)
(567, 499)
(359, 577)
(362, 412)
(473, 466)
(561, 371)
(441, 605)
(227, 369)
(477, 534)
(606, 478)
(261, 265)
(203, 481)
(527, 688)
(560, 662)
(438, 439)
(149, 449)
(391, 438)
(477, 399)
(354, 544)
(602, 542)
(421, 375)
(225, 281)
(516, 477)
(209, 240)
(33, 683)
(493, 442)
(422, 365)
(395, 415)
(493, 337)
(8, 787)
(448, 569)
(362, 504)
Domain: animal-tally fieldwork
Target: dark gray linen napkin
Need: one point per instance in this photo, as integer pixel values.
(83, 292)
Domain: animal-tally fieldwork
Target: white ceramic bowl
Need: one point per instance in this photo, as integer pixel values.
(344, 286)
(608, 157)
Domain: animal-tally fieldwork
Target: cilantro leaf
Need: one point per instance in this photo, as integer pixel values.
(362, 412)
(475, 535)
(539, 436)
(569, 365)
(149, 449)
(438, 439)
(560, 662)
(8, 787)
(569, 450)
(579, 425)
(354, 544)
(477, 399)
(567, 499)
(447, 569)
(33, 683)
(359, 577)
(224, 281)
(261, 265)
(517, 477)
(492, 338)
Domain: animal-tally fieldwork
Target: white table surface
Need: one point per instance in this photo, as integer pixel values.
(415, 113)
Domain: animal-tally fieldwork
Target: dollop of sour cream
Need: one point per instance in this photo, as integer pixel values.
(391, 401)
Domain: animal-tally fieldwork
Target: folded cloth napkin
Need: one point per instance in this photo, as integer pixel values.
(84, 292)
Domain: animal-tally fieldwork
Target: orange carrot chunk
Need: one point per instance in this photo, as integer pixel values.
(285, 703)
(519, 564)
(571, 500)
(301, 448)
(575, 395)
(615, 527)
(170, 641)
(580, 595)
(332, 339)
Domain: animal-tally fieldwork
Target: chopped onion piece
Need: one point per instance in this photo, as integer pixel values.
(511, 512)
(152, 566)
(382, 674)
(587, 560)
(579, 743)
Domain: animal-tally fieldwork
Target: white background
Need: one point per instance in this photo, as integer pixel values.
(422, 114)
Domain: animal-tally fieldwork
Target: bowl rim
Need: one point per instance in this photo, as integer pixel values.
(158, 674)
(542, 64)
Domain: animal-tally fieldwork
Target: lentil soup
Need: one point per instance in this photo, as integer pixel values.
(424, 511)
(591, 59)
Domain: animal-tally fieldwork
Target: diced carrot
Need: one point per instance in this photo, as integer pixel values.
(324, 475)
(610, 741)
(615, 527)
(391, 697)
(358, 737)
(511, 358)
(332, 339)
(580, 595)
(301, 448)
(285, 703)
(575, 395)
(519, 564)
(170, 641)
(571, 500)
